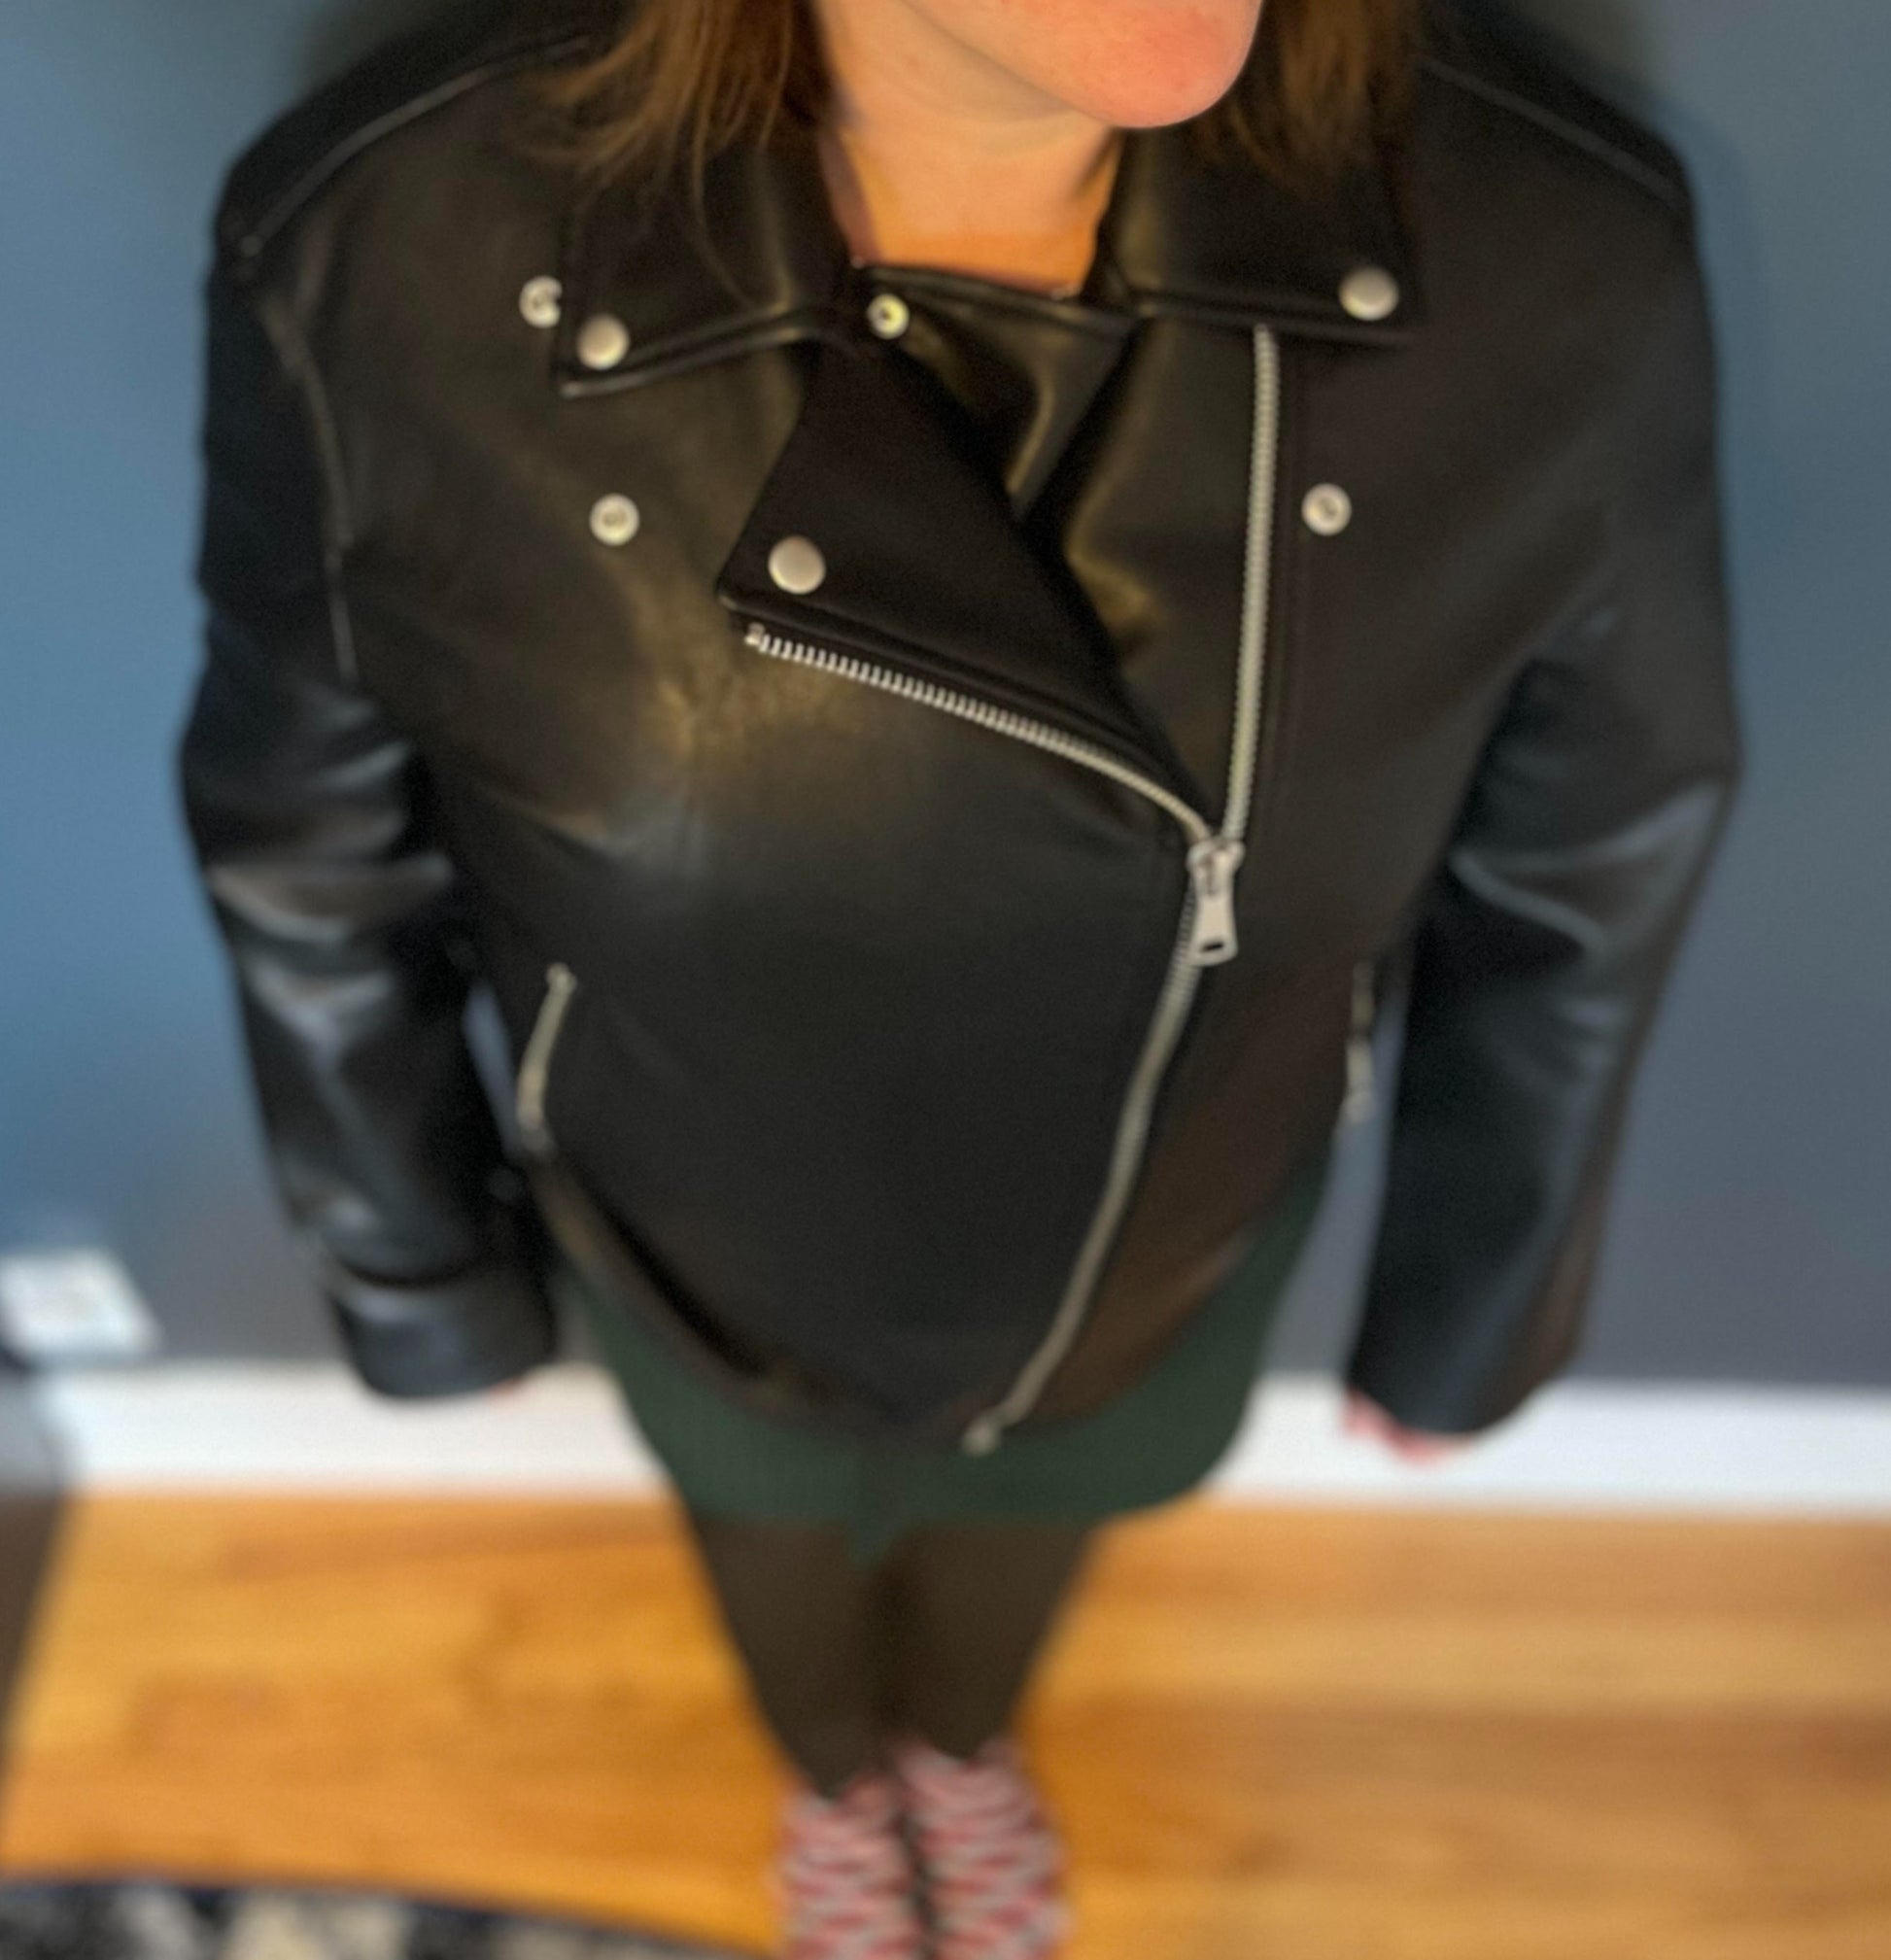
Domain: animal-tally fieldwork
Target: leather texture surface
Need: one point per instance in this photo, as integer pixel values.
(859, 987)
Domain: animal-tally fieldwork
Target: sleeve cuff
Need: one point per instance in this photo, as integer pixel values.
(447, 1335)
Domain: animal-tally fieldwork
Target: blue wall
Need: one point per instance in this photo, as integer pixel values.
(1751, 1237)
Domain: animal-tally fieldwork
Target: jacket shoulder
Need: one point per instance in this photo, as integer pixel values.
(394, 84)
(1488, 56)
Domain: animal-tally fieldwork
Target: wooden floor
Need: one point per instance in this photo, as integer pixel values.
(1310, 1735)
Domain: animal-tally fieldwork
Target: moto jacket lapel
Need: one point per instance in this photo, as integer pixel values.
(762, 262)
(922, 566)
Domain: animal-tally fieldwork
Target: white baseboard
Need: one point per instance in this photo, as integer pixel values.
(311, 1426)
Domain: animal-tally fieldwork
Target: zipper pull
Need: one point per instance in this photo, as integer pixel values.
(983, 1435)
(1212, 864)
(530, 1092)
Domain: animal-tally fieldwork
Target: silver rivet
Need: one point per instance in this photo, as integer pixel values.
(796, 564)
(615, 519)
(1368, 293)
(603, 340)
(888, 315)
(1327, 508)
(539, 301)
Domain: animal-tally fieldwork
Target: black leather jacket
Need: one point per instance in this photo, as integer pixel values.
(934, 778)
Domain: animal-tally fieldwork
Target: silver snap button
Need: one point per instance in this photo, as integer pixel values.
(1368, 293)
(539, 301)
(603, 340)
(888, 315)
(796, 564)
(615, 519)
(1327, 508)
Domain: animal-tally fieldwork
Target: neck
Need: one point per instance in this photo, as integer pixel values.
(934, 156)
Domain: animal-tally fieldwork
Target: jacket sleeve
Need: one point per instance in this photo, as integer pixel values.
(308, 814)
(1545, 939)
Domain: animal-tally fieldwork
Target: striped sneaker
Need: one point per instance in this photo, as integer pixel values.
(844, 1882)
(990, 1858)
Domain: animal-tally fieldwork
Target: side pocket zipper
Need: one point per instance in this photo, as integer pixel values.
(535, 1065)
(1360, 1092)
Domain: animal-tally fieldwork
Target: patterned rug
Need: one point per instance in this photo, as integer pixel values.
(150, 1920)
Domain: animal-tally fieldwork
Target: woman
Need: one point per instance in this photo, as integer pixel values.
(935, 594)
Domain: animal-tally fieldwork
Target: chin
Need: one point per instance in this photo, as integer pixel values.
(1142, 64)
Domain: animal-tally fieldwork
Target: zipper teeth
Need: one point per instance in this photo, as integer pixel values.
(1256, 582)
(1183, 975)
(1125, 1159)
(1008, 721)
(535, 1065)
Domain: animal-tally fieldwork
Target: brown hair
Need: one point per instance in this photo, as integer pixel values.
(1327, 80)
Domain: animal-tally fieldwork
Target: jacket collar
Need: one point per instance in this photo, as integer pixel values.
(1216, 241)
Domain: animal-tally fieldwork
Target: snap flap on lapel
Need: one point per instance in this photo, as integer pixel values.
(1218, 239)
(652, 286)
(883, 531)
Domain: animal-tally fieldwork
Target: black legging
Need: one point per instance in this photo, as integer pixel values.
(937, 1636)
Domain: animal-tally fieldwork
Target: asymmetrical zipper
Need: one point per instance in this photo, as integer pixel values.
(1213, 858)
(1205, 934)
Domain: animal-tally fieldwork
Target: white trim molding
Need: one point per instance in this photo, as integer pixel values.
(312, 1426)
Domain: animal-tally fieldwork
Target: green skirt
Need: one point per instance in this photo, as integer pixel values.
(1154, 1441)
